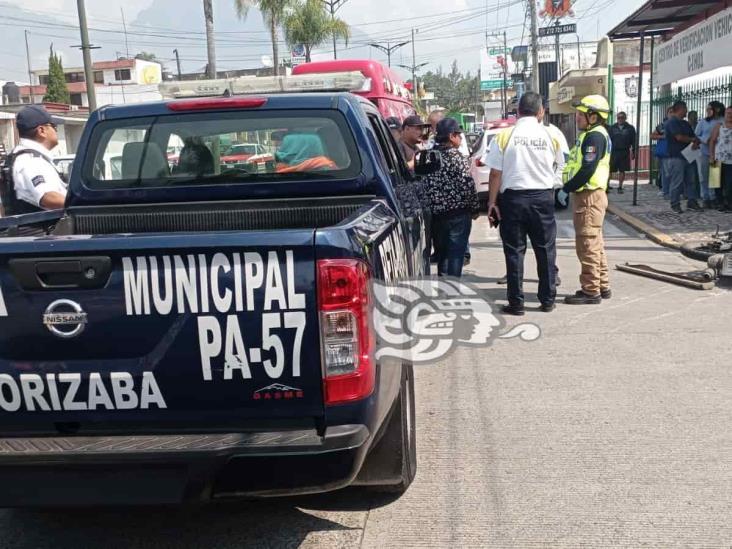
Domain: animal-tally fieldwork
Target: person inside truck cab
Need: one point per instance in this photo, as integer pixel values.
(35, 183)
(195, 159)
(302, 152)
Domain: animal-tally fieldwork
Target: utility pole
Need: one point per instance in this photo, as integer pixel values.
(177, 61)
(30, 74)
(414, 69)
(210, 44)
(557, 52)
(388, 49)
(333, 7)
(86, 48)
(534, 46)
(124, 27)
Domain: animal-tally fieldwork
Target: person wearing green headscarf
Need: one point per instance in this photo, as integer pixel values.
(302, 152)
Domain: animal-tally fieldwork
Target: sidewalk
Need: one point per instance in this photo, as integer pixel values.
(653, 216)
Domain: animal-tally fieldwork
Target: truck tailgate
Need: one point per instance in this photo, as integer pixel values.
(207, 331)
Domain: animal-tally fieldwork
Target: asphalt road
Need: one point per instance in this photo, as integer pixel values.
(611, 430)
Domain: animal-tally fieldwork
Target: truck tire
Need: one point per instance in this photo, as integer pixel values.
(697, 250)
(395, 455)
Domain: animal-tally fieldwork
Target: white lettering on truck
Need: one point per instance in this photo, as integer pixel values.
(61, 392)
(3, 310)
(227, 284)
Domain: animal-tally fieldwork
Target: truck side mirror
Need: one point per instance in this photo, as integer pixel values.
(427, 162)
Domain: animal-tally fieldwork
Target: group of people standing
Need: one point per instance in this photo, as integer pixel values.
(526, 163)
(709, 177)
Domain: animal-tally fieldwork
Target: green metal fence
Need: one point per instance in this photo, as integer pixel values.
(697, 96)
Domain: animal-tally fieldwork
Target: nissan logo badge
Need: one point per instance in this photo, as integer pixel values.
(65, 318)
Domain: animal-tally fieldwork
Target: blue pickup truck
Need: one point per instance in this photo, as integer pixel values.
(186, 331)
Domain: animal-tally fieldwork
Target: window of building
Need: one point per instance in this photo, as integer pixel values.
(43, 80)
(74, 77)
(99, 77)
(122, 74)
(76, 99)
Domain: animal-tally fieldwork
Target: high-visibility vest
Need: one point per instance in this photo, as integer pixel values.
(601, 177)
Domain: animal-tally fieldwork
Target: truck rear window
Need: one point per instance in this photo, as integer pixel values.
(210, 148)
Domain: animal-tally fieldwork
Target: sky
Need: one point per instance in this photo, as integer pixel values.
(445, 31)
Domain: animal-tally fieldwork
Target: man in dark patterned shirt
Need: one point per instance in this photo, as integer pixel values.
(453, 199)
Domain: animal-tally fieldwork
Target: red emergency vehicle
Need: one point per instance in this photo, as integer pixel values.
(384, 88)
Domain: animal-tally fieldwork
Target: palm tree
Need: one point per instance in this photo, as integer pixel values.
(210, 46)
(273, 12)
(310, 24)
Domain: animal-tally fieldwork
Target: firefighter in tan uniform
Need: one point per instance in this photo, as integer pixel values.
(587, 174)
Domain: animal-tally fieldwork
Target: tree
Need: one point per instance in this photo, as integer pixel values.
(56, 90)
(458, 92)
(309, 25)
(147, 56)
(210, 44)
(273, 12)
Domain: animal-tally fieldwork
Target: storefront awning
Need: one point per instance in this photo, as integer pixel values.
(658, 17)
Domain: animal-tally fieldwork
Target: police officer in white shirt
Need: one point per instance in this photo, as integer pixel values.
(36, 184)
(523, 162)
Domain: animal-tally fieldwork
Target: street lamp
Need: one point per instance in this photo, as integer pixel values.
(388, 49)
(333, 7)
(414, 69)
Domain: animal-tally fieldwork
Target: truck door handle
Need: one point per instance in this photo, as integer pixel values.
(58, 274)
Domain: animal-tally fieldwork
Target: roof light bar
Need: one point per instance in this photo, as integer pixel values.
(217, 103)
(244, 85)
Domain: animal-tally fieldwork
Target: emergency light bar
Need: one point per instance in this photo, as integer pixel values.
(244, 85)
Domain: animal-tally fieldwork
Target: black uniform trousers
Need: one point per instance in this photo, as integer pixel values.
(529, 213)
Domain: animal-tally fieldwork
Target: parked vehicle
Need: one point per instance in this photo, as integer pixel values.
(63, 164)
(200, 334)
(383, 87)
(481, 173)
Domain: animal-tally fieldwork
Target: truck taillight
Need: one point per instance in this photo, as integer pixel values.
(344, 301)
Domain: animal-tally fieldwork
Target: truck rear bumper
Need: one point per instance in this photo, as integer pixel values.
(169, 469)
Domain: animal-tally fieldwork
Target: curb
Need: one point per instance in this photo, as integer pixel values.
(651, 232)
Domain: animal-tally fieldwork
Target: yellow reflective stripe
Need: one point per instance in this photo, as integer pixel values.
(503, 138)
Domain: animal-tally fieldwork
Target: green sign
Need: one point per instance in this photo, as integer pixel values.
(499, 51)
(488, 85)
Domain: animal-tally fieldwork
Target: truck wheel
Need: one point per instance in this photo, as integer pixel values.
(395, 455)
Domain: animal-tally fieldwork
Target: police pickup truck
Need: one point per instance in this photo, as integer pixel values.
(188, 331)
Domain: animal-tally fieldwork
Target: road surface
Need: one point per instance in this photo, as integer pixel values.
(612, 430)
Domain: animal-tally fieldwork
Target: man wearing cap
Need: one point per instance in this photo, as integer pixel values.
(587, 175)
(522, 160)
(413, 131)
(36, 184)
(453, 199)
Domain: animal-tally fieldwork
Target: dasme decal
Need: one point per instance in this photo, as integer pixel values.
(63, 392)
(424, 320)
(3, 310)
(216, 290)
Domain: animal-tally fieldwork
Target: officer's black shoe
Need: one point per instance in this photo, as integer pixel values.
(515, 310)
(558, 281)
(677, 209)
(433, 258)
(693, 205)
(547, 307)
(503, 280)
(466, 260)
(581, 298)
(606, 294)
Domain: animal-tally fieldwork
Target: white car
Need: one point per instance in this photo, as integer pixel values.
(478, 170)
(63, 165)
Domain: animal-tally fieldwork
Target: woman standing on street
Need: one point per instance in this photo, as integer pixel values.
(704, 129)
(454, 201)
(720, 150)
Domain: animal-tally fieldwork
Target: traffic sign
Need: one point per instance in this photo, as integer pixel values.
(558, 29)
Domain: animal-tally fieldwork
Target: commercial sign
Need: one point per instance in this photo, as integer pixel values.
(492, 63)
(701, 48)
(557, 8)
(558, 29)
(565, 95)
